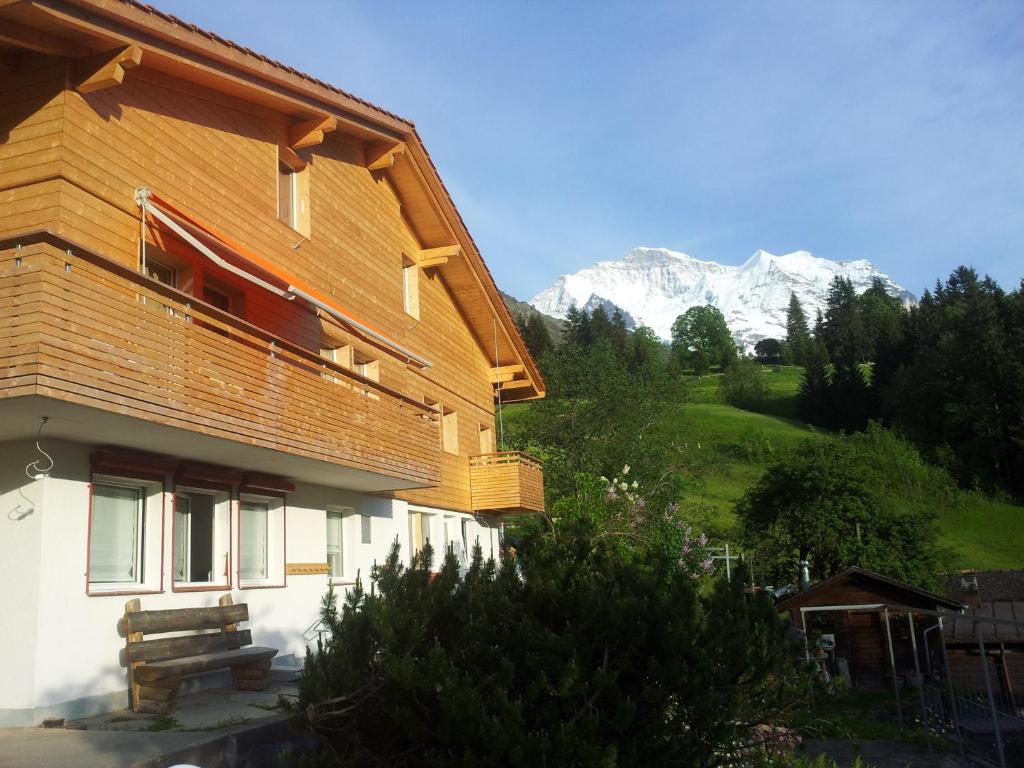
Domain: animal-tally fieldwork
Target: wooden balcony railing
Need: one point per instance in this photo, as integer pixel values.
(510, 481)
(78, 327)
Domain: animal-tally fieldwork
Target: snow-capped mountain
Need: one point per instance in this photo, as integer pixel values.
(656, 285)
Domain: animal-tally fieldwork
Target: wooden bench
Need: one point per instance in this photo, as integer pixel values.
(156, 666)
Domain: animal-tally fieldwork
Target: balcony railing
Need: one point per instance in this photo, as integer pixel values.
(510, 481)
(86, 330)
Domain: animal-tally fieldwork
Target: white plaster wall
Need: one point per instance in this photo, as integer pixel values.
(61, 645)
(20, 537)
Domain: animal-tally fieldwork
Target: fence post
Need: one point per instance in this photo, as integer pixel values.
(892, 666)
(919, 681)
(952, 697)
(991, 697)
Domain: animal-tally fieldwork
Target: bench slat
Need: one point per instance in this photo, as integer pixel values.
(202, 663)
(178, 619)
(189, 645)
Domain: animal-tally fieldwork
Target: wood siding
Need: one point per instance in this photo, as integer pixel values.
(71, 163)
(508, 482)
(72, 330)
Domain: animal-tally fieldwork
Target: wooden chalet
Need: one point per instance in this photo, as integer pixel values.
(247, 344)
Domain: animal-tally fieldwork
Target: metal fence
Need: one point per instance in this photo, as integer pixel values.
(969, 694)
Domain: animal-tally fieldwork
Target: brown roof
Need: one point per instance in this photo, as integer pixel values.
(961, 629)
(909, 595)
(972, 586)
(171, 18)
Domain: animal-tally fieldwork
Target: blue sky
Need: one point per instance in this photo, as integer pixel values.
(569, 133)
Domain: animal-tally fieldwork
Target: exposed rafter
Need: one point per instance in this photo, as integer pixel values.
(516, 384)
(436, 257)
(105, 69)
(311, 132)
(380, 156)
(17, 35)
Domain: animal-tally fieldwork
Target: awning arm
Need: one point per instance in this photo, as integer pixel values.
(142, 197)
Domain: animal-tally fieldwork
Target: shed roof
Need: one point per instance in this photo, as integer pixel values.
(885, 588)
(1007, 627)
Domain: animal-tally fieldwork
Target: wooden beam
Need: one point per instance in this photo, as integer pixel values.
(291, 158)
(516, 384)
(311, 132)
(105, 69)
(436, 257)
(30, 39)
(505, 373)
(380, 156)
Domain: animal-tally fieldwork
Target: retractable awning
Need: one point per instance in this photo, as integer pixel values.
(233, 257)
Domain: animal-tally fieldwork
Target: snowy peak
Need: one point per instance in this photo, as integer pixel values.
(656, 285)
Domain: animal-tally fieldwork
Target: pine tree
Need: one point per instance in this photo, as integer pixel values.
(537, 337)
(798, 336)
(813, 392)
(577, 327)
(843, 327)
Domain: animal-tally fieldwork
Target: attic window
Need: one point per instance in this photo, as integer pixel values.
(411, 287)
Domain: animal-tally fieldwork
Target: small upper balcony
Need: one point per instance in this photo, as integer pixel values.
(507, 482)
(112, 356)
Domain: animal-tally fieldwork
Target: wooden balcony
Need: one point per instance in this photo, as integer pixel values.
(507, 482)
(78, 328)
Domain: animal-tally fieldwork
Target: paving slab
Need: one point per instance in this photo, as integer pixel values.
(211, 729)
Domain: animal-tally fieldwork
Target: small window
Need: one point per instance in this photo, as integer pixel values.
(449, 431)
(201, 537)
(366, 529)
(369, 368)
(124, 534)
(286, 194)
(411, 287)
(216, 298)
(162, 273)
(261, 542)
(419, 531)
(336, 543)
(293, 190)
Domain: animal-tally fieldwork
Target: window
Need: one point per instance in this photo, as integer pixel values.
(419, 531)
(124, 534)
(486, 439)
(449, 431)
(219, 299)
(411, 287)
(201, 537)
(161, 272)
(336, 542)
(286, 194)
(293, 190)
(368, 367)
(261, 541)
(366, 529)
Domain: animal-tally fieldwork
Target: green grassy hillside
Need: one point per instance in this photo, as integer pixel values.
(727, 449)
(724, 450)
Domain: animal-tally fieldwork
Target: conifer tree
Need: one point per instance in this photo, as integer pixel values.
(537, 337)
(813, 392)
(843, 326)
(798, 336)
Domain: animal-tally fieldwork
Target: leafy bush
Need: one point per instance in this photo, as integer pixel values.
(742, 384)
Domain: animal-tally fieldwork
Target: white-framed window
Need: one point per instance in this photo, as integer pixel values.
(260, 541)
(337, 560)
(202, 537)
(419, 532)
(124, 534)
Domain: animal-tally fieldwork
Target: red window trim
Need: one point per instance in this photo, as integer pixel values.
(284, 540)
(88, 535)
(174, 518)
